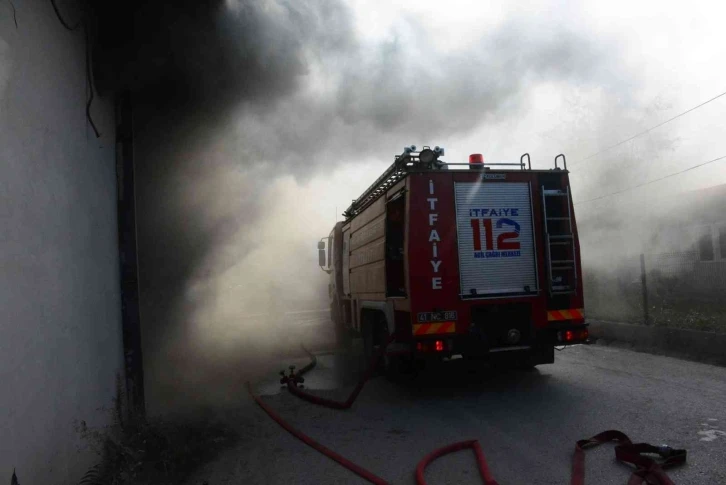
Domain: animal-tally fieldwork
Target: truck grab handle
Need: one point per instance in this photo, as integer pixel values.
(529, 162)
(564, 161)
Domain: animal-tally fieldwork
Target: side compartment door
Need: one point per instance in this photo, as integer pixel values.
(394, 250)
(346, 261)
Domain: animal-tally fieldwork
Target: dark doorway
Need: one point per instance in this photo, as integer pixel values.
(395, 232)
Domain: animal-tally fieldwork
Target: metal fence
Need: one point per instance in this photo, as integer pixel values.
(668, 289)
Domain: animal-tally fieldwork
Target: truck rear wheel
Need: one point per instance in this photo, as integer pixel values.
(375, 334)
(343, 338)
(524, 364)
(530, 360)
(509, 365)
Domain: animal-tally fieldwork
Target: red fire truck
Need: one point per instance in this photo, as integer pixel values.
(474, 259)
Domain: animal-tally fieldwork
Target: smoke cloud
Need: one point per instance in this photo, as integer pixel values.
(249, 113)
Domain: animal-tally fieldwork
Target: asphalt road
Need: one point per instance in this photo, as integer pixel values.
(527, 422)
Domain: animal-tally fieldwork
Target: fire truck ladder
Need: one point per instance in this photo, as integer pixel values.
(562, 273)
(390, 177)
(393, 174)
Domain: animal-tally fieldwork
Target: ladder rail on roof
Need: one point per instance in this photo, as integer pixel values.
(393, 174)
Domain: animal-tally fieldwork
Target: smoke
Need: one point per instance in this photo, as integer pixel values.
(594, 123)
(664, 222)
(376, 95)
(249, 114)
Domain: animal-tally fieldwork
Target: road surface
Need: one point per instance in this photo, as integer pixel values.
(526, 421)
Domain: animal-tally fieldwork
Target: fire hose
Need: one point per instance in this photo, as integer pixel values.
(293, 380)
(647, 470)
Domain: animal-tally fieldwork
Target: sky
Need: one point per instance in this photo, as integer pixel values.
(668, 55)
(624, 67)
(289, 110)
(640, 63)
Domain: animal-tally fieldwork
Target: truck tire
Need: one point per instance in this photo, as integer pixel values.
(343, 338)
(375, 333)
(524, 365)
(393, 366)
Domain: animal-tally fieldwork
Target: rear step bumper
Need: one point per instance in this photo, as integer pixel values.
(474, 345)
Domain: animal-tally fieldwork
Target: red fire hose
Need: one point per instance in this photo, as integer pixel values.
(357, 469)
(292, 381)
(647, 471)
(473, 444)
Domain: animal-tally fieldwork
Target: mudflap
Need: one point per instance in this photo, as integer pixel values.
(544, 355)
(522, 359)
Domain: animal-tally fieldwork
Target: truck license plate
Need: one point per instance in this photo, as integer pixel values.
(427, 317)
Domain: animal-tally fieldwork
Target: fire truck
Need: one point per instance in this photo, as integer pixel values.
(474, 260)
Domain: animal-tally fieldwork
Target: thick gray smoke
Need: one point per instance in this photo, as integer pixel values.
(403, 89)
(622, 216)
(240, 107)
(613, 220)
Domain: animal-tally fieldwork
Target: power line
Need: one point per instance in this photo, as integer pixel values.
(62, 20)
(649, 182)
(648, 130)
(89, 64)
(15, 14)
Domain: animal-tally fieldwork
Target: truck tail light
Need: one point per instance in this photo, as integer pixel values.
(572, 336)
(432, 346)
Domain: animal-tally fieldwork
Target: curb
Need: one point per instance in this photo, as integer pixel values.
(707, 347)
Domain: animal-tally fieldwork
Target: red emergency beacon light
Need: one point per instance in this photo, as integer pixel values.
(476, 161)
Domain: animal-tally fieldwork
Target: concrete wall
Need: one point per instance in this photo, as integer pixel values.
(60, 329)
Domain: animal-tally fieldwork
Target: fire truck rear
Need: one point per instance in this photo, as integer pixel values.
(470, 259)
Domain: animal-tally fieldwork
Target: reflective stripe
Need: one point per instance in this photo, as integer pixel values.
(434, 328)
(571, 314)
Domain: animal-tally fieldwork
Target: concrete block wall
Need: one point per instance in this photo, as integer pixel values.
(60, 325)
